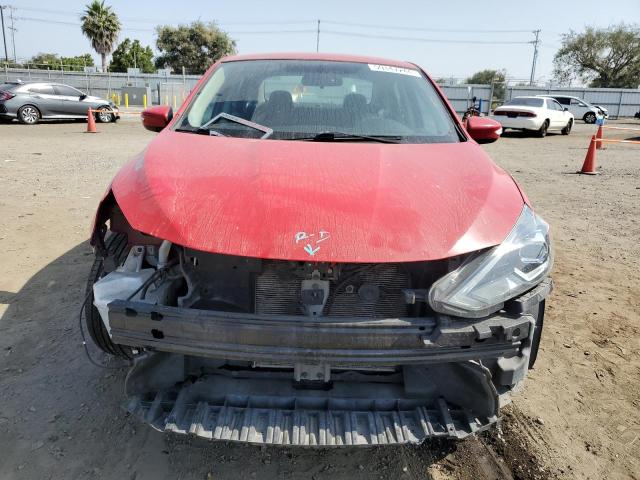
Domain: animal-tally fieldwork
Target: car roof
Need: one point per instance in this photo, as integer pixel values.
(38, 82)
(557, 96)
(330, 57)
(527, 96)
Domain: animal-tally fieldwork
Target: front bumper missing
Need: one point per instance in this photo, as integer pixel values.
(291, 339)
(271, 411)
(447, 374)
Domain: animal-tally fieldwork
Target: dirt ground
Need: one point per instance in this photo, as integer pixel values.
(578, 416)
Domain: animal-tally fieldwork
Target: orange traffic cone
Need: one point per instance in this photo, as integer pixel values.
(589, 165)
(91, 122)
(599, 137)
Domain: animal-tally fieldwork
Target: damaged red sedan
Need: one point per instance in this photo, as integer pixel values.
(315, 251)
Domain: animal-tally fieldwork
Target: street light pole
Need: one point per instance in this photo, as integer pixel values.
(13, 35)
(535, 56)
(4, 37)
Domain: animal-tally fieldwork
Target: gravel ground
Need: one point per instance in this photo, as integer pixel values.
(60, 417)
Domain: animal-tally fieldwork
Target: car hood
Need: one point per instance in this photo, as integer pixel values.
(318, 201)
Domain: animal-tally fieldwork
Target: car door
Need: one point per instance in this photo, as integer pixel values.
(556, 114)
(44, 98)
(578, 108)
(565, 102)
(70, 99)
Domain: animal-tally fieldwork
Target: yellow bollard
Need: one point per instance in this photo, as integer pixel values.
(144, 100)
(175, 102)
(113, 97)
(126, 100)
(118, 97)
(166, 99)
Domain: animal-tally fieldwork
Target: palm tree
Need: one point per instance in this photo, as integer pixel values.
(100, 24)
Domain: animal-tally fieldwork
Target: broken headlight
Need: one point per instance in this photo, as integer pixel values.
(480, 286)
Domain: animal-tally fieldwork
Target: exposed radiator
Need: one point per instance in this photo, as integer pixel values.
(362, 290)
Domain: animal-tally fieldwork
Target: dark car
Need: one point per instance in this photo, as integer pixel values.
(33, 101)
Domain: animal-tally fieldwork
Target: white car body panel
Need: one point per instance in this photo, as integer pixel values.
(578, 107)
(550, 110)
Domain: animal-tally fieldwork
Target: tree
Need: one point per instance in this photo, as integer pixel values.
(101, 26)
(54, 60)
(132, 55)
(487, 77)
(607, 57)
(194, 47)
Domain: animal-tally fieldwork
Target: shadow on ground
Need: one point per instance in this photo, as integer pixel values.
(62, 416)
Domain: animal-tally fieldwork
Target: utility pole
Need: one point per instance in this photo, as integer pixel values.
(318, 37)
(13, 35)
(4, 38)
(535, 56)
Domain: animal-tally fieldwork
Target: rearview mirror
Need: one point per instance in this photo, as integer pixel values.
(483, 129)
(156, 118)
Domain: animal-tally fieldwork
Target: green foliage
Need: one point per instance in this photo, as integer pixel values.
(131, 54)
(101, 26)
(487, 77)
(53, 60)
(194, 47)
(607, 57)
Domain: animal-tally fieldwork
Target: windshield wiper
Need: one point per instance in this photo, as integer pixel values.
(333, 136)
(201, 131)
(247, 123)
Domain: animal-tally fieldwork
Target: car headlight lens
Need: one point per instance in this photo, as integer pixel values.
(481, 285)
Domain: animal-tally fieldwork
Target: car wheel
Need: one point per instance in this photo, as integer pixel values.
(116, 245)
(105, 115)
(590, 118)
(567, 130)
(28, 114)
(543, 129)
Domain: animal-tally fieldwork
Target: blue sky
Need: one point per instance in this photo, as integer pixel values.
(259, 26)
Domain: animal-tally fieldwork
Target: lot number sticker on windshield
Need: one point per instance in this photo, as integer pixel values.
(390, 69)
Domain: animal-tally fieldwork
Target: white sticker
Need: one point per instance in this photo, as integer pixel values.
(391, 69)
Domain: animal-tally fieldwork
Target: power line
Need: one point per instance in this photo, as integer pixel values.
(420, 29)
(296, 22)
(236, 32)
(426, 40)
(166, 21)
(332, 32)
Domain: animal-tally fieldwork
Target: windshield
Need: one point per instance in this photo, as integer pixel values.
(526, 102)
(301, 99)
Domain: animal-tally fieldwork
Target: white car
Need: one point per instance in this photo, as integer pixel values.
(580, 108)
(535, 114)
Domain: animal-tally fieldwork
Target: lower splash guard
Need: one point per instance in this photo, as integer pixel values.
(264, 406)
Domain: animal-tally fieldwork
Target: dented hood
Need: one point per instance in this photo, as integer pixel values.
(319, 201)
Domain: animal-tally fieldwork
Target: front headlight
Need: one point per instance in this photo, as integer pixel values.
(481, 285)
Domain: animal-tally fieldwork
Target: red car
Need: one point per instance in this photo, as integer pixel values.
(316, 251)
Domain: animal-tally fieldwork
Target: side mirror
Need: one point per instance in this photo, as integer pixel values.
(83, 96)
(566, 109)
(483, 129)
(156, 118)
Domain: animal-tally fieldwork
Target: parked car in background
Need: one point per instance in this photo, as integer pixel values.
(580, 108)
(534, 114)
(30, 102)
(316, 251)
